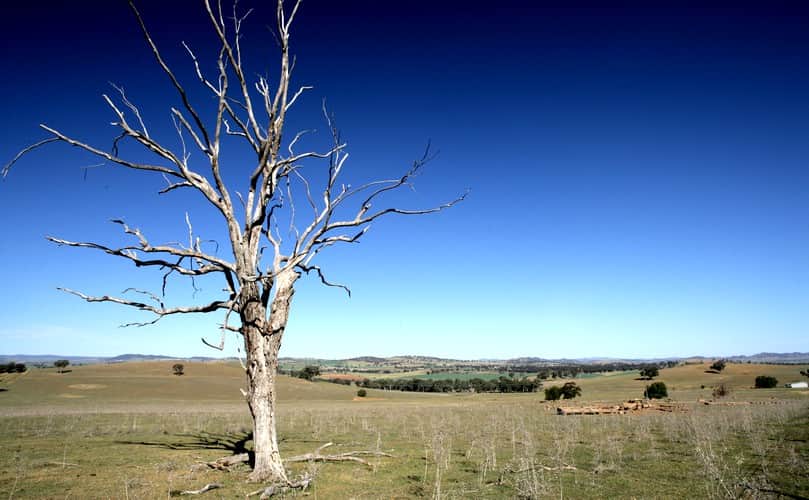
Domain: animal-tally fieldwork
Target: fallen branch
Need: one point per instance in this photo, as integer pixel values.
(349, 456)
(275, 489)
(534, 467)
(207, 487)
(543, 467)
(316, 456)
(223, 463)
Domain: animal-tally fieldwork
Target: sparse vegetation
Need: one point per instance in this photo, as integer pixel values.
(720, 391)
(766, 382)
(656, 390)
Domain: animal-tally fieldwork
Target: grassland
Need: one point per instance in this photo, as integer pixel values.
(134, 430)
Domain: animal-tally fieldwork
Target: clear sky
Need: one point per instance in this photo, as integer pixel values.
(639, 177)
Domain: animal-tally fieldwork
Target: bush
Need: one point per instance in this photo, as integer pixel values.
(362, 393)
(553, 393)
(178, 369)
(766, 382)
(650, 372)
(720, 391)
(656, 390)
(718, 366)
(61, 364)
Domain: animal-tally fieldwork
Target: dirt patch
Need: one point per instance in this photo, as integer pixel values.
(71, 396)
(87, 387)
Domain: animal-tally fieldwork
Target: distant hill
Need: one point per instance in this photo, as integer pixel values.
(92, 360)
(763, 357)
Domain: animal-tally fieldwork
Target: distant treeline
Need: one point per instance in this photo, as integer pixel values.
(543, 370)
(12, 367)
(562, 371)
(503, 384)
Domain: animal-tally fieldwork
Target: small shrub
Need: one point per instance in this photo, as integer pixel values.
(656, 390)
(61, 364)
(766, 382)
(720, 391)
(650, 372)
(718, 366)
(178, 369)
(553, 393)
(362, 393)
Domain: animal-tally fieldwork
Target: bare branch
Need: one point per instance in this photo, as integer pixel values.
(25, 151)
(132, 108)
(103, 154)
(169, 73)
(323, 279)
(159, 311)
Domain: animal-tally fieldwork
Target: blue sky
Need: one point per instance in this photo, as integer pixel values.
(638, 176)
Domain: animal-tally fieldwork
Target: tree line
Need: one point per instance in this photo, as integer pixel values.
(12, 367)
(502, 384)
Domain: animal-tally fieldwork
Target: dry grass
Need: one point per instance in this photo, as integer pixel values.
(114, 445)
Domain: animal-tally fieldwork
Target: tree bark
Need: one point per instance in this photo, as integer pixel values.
(262, 337)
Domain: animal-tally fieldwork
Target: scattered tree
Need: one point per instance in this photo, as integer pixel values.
(766, 382)
(61, 364)
(718, 366)
(178, 369)
(271, 243)
(656, 390)
(308, 373)
(805, 373)
(362, 393)
(570, 390)
(649, 372)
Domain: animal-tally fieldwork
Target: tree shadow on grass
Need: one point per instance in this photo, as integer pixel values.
(234, 442)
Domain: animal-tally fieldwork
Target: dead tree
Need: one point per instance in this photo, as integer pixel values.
(258, 284)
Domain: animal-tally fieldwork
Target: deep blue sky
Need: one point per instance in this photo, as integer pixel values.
(639, 176)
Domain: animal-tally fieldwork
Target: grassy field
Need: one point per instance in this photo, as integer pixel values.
(134, 430)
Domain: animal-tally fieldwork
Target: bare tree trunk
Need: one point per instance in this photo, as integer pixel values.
(262, 343)
(251, 288)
